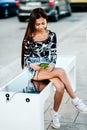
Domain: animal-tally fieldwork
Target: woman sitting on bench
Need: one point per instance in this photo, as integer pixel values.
(39, 54)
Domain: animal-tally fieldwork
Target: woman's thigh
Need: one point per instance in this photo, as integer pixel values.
(44, 74)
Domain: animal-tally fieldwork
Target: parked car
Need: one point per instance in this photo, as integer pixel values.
(54, 8)
(78, 4)
(8, 7)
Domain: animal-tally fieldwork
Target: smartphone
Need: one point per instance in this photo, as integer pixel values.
(43, 65)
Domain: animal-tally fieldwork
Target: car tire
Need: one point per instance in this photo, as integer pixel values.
(69, 12)
(56, 16)
(21, 19)
(6, 12)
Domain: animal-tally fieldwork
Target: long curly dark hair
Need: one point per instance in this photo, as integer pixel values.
(35, 14)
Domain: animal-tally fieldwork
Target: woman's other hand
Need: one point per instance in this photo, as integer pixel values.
(35, 66)
(50, 67)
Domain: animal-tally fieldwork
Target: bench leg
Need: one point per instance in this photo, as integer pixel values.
(72, 77)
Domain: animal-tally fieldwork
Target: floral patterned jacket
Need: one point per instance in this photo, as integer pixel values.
(44, 51)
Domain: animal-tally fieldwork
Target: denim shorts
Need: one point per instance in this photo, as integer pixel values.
(37, 59)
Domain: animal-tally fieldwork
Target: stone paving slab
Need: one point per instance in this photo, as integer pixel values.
(71, 126)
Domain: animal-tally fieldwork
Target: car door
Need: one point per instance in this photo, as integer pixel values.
(62, 6)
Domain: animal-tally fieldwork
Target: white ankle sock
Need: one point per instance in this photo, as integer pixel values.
(55, 113)
(75, 100)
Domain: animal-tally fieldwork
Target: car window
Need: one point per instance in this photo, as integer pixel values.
(33, 0)
(38, 0)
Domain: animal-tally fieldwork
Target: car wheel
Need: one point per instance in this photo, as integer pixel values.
(56, 16)
(21, 19)
(6, 12)
(69, 12)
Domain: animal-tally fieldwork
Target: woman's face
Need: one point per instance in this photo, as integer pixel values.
(40, 24)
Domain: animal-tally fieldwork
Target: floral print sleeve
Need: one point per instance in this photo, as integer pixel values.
(53, 48)
(26, 53)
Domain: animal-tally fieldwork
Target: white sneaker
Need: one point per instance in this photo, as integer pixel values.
(55, 123)
(80, 106)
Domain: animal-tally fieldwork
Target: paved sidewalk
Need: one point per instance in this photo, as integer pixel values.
(70, 118)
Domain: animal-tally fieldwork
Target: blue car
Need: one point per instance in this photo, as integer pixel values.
(8, 8)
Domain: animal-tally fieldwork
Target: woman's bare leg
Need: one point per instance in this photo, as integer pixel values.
(56, 73)
(58, 94)
(63, 77)
(60, 80)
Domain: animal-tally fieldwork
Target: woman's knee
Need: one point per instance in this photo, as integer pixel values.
(58, 85)
(60, 88)
(61, 72)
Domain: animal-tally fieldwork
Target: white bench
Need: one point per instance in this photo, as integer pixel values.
(25, 111)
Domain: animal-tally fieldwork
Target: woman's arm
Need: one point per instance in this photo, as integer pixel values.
(27, 54)
(53, 53)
